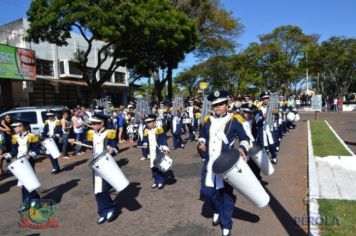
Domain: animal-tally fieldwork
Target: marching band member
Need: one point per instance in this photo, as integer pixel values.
(155, 140)
(217, 135)
(140, 129)
(192, 125)
(53, 129)
(246, 118)
(264, 131)
(102, 139)
(177, 126)
(26, 144)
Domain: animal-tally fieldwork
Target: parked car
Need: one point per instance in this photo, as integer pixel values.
(36, 115)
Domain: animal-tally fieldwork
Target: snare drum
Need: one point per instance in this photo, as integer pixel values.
(163, 162)
(22, 169)
(51, 147)
(105, 165)
(238, 174)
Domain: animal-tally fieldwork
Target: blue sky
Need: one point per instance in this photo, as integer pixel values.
(324, 17)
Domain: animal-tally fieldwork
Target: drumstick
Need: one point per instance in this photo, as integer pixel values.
(82, 144)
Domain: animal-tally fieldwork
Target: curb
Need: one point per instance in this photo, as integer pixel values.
(340, 140)
(313, 187)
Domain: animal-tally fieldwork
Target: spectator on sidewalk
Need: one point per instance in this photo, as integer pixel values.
(335, 107)
(340, 102)
(78, 128)
(121, 122)
(66, 127)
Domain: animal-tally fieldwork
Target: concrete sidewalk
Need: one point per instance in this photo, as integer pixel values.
(175, 210)
(336, 177)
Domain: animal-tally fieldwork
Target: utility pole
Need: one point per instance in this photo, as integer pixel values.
(307, 74)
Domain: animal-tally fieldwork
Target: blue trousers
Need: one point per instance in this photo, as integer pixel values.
(158, 176)
(222, 201)
(54, 163)
(103, 200)
(177, 140)
(192, 128)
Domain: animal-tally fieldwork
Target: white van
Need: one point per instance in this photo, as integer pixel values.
(36, 115)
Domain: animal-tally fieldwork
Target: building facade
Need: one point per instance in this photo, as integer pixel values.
(58, 81)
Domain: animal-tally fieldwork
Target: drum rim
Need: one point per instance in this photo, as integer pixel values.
(232, 166)
(17, 159)
(255, 145)
(97, 158)
(49, 138)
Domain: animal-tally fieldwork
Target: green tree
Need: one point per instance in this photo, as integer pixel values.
(218, 29)
(282, 50)
(147, 35)
(334, 64)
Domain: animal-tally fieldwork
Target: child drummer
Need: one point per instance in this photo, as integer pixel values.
(155, 140)
(25, 144)
(53, 129)
(102, 140)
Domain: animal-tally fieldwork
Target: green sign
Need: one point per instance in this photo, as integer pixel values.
(17, 63)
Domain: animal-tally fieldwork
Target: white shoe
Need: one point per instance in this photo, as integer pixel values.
(160, 186)
(143, 158)
(154, 186)
(216, 219)
(226, 232)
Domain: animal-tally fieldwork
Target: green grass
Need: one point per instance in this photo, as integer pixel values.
(338, 217)
(324, 141)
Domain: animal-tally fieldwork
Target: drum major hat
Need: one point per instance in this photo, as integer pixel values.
(50, 113)
(19, 122)
(265, 95)
(150, 118)
(218, 97)
(248, 106)
(99, 117)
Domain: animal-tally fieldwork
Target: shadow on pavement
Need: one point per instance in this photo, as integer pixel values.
(287, 221)
(122, 162)
(127, 198)
(238, 213)
(4, 188)
(123, 149)
(350, 143)
(56, 193)
(73, 164)
(170, 177)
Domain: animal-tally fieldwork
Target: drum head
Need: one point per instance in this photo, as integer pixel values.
(255, 148)
(225, 161)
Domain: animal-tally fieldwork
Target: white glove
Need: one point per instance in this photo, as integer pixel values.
(7, 156)
(32, 154)
(164, 148)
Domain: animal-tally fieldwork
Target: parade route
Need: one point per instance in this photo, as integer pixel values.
(175, 210)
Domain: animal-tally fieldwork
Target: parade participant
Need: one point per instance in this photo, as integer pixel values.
(217, 135)
(250, 126)
(25, 144)
(177, 126)
(140, 130)
(53, 129)
(192, 123)
(102, 139)
(264, 130)
(155, 140)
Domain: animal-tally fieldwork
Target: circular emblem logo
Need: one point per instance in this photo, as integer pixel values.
(217, 94)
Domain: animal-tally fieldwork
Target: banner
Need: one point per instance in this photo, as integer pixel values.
(17, 63)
